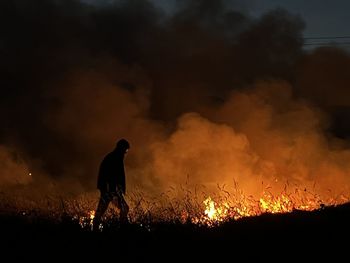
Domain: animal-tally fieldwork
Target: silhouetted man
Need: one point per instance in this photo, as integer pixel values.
(111, 183)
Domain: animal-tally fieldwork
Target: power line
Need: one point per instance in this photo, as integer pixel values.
(335, 37)
(327, 41)
(326, 44)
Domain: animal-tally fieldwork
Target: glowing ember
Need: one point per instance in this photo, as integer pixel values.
(92, 215)
(85, 221)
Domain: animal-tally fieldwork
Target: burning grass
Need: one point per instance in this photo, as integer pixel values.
(180, 205)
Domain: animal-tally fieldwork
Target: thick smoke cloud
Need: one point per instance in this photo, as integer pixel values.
(207, 94)
(261, 135)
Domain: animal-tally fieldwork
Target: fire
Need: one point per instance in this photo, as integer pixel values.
(215, 212)
(87, 221)
(92, 215)
(211, 210)
(195, 207)
(280, 204)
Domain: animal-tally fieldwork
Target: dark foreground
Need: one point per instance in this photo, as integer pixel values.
(317, 234)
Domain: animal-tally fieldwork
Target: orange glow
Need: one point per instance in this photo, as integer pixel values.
(215, 212)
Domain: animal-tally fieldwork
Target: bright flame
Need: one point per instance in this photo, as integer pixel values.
(279, 204)
(92, 216)
(213, 213)
(210, 210)
(87, 220)
(218, 212)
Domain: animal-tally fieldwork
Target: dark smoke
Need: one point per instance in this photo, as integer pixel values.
(207, 92)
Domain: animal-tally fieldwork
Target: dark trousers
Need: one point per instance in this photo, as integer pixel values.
(118, 200)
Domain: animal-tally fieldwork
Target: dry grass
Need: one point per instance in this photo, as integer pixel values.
(177, 205)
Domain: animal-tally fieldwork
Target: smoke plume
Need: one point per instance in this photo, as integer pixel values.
(206, 95)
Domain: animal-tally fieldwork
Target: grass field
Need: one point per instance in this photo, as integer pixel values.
(317, 233)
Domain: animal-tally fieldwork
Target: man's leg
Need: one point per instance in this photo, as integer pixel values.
(124, 211)
(101, 209)
(120, 202)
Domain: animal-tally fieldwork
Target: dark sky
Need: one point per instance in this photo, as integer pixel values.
(322, 17)
(75, 77)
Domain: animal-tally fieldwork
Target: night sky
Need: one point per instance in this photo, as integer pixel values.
(323, 18)
(180, 81)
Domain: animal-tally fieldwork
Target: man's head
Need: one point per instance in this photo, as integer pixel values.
(123, 145)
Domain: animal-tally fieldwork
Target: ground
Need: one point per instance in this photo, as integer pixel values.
(315, 234)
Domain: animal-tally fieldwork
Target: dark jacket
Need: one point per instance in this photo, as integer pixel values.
(111, 176)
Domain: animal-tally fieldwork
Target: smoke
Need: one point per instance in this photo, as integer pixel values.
(323, 77)
(205, 95)
(13, 169)
(259, 135)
